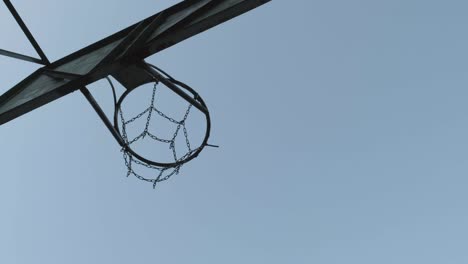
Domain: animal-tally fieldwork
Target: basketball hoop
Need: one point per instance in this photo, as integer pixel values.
(164, 170)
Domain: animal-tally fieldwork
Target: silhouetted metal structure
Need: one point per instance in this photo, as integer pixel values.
(120, 55)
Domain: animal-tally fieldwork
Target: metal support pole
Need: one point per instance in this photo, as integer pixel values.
(102, 115)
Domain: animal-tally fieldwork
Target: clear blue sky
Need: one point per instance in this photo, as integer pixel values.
(343, 130)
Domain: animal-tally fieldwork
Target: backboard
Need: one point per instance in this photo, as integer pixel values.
(114, 54)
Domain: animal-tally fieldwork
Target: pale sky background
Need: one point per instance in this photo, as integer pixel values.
(343, 130)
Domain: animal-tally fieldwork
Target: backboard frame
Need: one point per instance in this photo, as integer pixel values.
(117, 52)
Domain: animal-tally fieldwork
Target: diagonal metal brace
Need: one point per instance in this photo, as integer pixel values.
(21, 57)
(103, 116)
(26, 31)
(174, 88)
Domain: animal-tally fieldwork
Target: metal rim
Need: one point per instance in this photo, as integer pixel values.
(162, 164)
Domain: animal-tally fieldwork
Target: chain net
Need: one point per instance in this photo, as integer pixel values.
(161, 173)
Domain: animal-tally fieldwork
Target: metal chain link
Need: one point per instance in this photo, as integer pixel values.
(163, 172)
